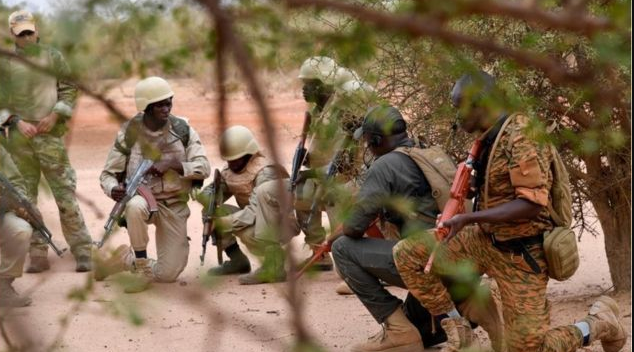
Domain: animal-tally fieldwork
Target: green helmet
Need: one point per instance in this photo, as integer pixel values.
(151, 90)
(319, 67)
(236, 142)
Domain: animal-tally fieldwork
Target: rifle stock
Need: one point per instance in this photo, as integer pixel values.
(209, 229)
(24, 209)
(455, 204)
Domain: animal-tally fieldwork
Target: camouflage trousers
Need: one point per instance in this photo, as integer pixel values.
(525, 308)
(46, 154)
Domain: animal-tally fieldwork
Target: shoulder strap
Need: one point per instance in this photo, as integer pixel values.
(492, 151)
(181, 128)
(129, 138)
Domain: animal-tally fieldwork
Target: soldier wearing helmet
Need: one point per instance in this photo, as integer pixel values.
(339, 99)
(180, 162)
(34, 107)
(253, 180)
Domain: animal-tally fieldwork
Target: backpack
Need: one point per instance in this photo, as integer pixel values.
(560, 244)
(439, 170)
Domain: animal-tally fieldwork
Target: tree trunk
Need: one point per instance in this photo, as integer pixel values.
(613, 206)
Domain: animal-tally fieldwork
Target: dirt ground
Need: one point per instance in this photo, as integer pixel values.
(226, 316)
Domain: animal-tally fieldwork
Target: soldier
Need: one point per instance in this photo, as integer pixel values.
(513, 181)
(394, 179)
(253, 180)
(180, 162)
(14, 239)
(39, 106)
(339, 100)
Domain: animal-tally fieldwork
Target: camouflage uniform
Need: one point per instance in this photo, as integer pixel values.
(14, 231)
(171, 191)
(518, 168)
(32, 95)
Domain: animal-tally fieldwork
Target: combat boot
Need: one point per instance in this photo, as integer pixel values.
(10, 298)
(238, 263)
(459, 334)
(83, 264)
(605, 326)
(272, 269)
(343, 289)
(143, 276)
(38, 264)
(121, 259)
(398, 335)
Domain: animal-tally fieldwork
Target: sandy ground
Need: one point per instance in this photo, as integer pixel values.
(225, 316)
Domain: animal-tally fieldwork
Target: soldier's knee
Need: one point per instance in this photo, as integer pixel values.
(166, 274)
(136, 207)
(402, 253)
(341, 247)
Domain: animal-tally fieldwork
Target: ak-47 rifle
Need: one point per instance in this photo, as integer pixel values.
(209, 230)
(15, 202)
(455, 205)
(300, 152)
(134, 186)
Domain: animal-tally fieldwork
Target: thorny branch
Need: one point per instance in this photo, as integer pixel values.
(235, 45)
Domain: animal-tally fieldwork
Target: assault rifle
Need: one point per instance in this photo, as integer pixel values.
(16, 202)
(455, 205)
(209, 230)
(300, 152)
(134, 186)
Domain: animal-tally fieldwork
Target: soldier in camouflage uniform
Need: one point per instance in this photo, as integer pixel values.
(392, 181)
(38, 106)
(14, 239)
(504, 237)
(339, 101)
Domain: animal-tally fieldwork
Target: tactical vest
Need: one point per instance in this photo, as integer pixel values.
(241, 184)
(159, 145)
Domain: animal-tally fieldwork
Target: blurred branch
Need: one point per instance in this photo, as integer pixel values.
(571, 19)
(229, 40)
(88, 91)
(422, 27)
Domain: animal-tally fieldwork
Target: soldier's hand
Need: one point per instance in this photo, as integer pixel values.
(47, 123)
(117, 193)
(455, 224)
(332, 237)
(27, 129)
(161, 167)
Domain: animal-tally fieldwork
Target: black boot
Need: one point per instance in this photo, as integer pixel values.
(238, 263)
(272, 269)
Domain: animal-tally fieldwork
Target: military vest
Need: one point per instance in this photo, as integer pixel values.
(241, 184)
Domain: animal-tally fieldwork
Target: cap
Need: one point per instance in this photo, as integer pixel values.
(382, 120)
(21, 21)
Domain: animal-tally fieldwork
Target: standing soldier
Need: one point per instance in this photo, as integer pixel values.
(504, 236)
(393, 180)
(38, 106)
(179, 161)
(14, 239)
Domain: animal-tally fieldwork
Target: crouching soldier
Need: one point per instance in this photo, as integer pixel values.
(15, 234)
(393, 181)
(253, 180)
(179, 161)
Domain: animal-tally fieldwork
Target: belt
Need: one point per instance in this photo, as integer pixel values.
(518, 246)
